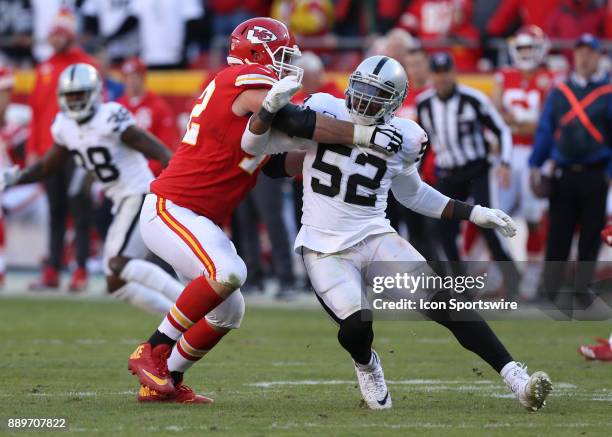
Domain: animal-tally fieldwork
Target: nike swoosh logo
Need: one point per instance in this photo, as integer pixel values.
(384, 401)
(165, 381)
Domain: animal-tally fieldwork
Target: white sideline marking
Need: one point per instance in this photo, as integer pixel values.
(288, 363)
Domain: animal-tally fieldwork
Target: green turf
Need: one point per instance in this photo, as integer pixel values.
(66, 358)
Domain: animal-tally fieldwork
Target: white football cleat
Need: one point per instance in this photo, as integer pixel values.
(372, 384)
(531, 391)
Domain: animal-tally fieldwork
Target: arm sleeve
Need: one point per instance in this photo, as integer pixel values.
(271, 142)
(491, 118)
(543, 141)
(413, 193)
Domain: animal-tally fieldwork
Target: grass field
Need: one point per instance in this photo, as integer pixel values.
(283, 373)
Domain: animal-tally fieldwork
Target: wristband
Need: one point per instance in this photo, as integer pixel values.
(362, 135)
(461, 210)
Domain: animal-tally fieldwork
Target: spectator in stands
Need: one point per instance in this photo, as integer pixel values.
(529, 12)
(306, 18)
(113, 89)
(43, 101)
(150, 111)
(111, 23)
(166, 29)
(15, 31)
(571, 18)
(447, 24)
(228, 14)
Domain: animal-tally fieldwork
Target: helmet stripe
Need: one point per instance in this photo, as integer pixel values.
(380, 65)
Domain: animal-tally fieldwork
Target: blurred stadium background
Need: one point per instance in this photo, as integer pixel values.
(179, 45)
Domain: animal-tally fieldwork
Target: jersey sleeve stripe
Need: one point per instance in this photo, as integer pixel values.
(193, 353)
(254, 79)
(189, 239)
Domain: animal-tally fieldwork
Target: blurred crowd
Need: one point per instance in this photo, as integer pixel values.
(193, 33)
(131, 37)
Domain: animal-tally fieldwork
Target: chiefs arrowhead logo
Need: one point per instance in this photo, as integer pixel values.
(258, 35)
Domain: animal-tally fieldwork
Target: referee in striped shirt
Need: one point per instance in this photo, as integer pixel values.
(456, 118)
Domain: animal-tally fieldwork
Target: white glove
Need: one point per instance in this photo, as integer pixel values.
(493, 219)
(383, 138)
(280, 94)
(9, 176)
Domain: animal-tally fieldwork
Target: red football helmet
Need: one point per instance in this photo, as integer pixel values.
(267, 42)
(528, 47)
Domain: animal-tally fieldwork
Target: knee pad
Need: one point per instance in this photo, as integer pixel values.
(229, 313)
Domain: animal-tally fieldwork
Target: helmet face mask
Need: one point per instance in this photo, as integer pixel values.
(79, 91)
(374, 94)
(282, 62)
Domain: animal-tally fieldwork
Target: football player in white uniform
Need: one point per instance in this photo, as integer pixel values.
(104, 139)
(345, 229)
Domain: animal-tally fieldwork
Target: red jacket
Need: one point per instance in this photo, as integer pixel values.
(43, 99)
(530, 12)
(153, 114)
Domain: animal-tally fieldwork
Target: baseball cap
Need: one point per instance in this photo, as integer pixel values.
(441, 61)
(588, 40)
(64, 22)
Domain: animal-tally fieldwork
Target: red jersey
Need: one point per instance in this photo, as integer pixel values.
(153, 114)
(43, 99)
(524, 98)
(210, 173)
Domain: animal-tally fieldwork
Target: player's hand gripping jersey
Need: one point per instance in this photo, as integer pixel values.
(346, 188)
(96, 145)
(210, 173)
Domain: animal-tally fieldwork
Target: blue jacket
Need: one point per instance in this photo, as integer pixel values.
(574, 144)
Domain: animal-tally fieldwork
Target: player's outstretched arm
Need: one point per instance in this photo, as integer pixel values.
(271, 109)
(48, 165)
(146, 143)
(413, 193)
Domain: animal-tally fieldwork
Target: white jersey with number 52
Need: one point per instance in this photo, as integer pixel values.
(96, 145)
(346, 188)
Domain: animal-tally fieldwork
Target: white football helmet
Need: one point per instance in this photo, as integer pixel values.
(79, 91)
(528, 47)
(376, 89)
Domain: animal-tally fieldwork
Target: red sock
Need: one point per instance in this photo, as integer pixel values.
(196, 300)
(535, 242)
(469, 237)
(198, 340)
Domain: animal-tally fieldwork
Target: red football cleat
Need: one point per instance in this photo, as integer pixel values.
(182, 395)
(598, 352)
(78, 282)
(150, 366)
(48, 279)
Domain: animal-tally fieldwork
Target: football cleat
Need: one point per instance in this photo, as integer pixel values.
(372, 385)
(149, 364)
(531, 391)
(182, 395)
(48, 279)
(78, 282)
(599, 352)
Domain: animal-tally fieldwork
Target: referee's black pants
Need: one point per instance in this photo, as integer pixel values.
(472, 181)
(577, 201)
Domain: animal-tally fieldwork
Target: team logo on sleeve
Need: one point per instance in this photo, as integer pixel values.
(258, 35)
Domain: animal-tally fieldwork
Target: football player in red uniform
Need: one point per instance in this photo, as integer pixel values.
(207, 177)
(519, 95)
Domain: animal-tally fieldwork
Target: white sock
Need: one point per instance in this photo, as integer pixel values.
(177, 362)
(152, 276)
(143, 298)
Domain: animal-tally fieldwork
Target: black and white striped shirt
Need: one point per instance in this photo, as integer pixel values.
(456, 126)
